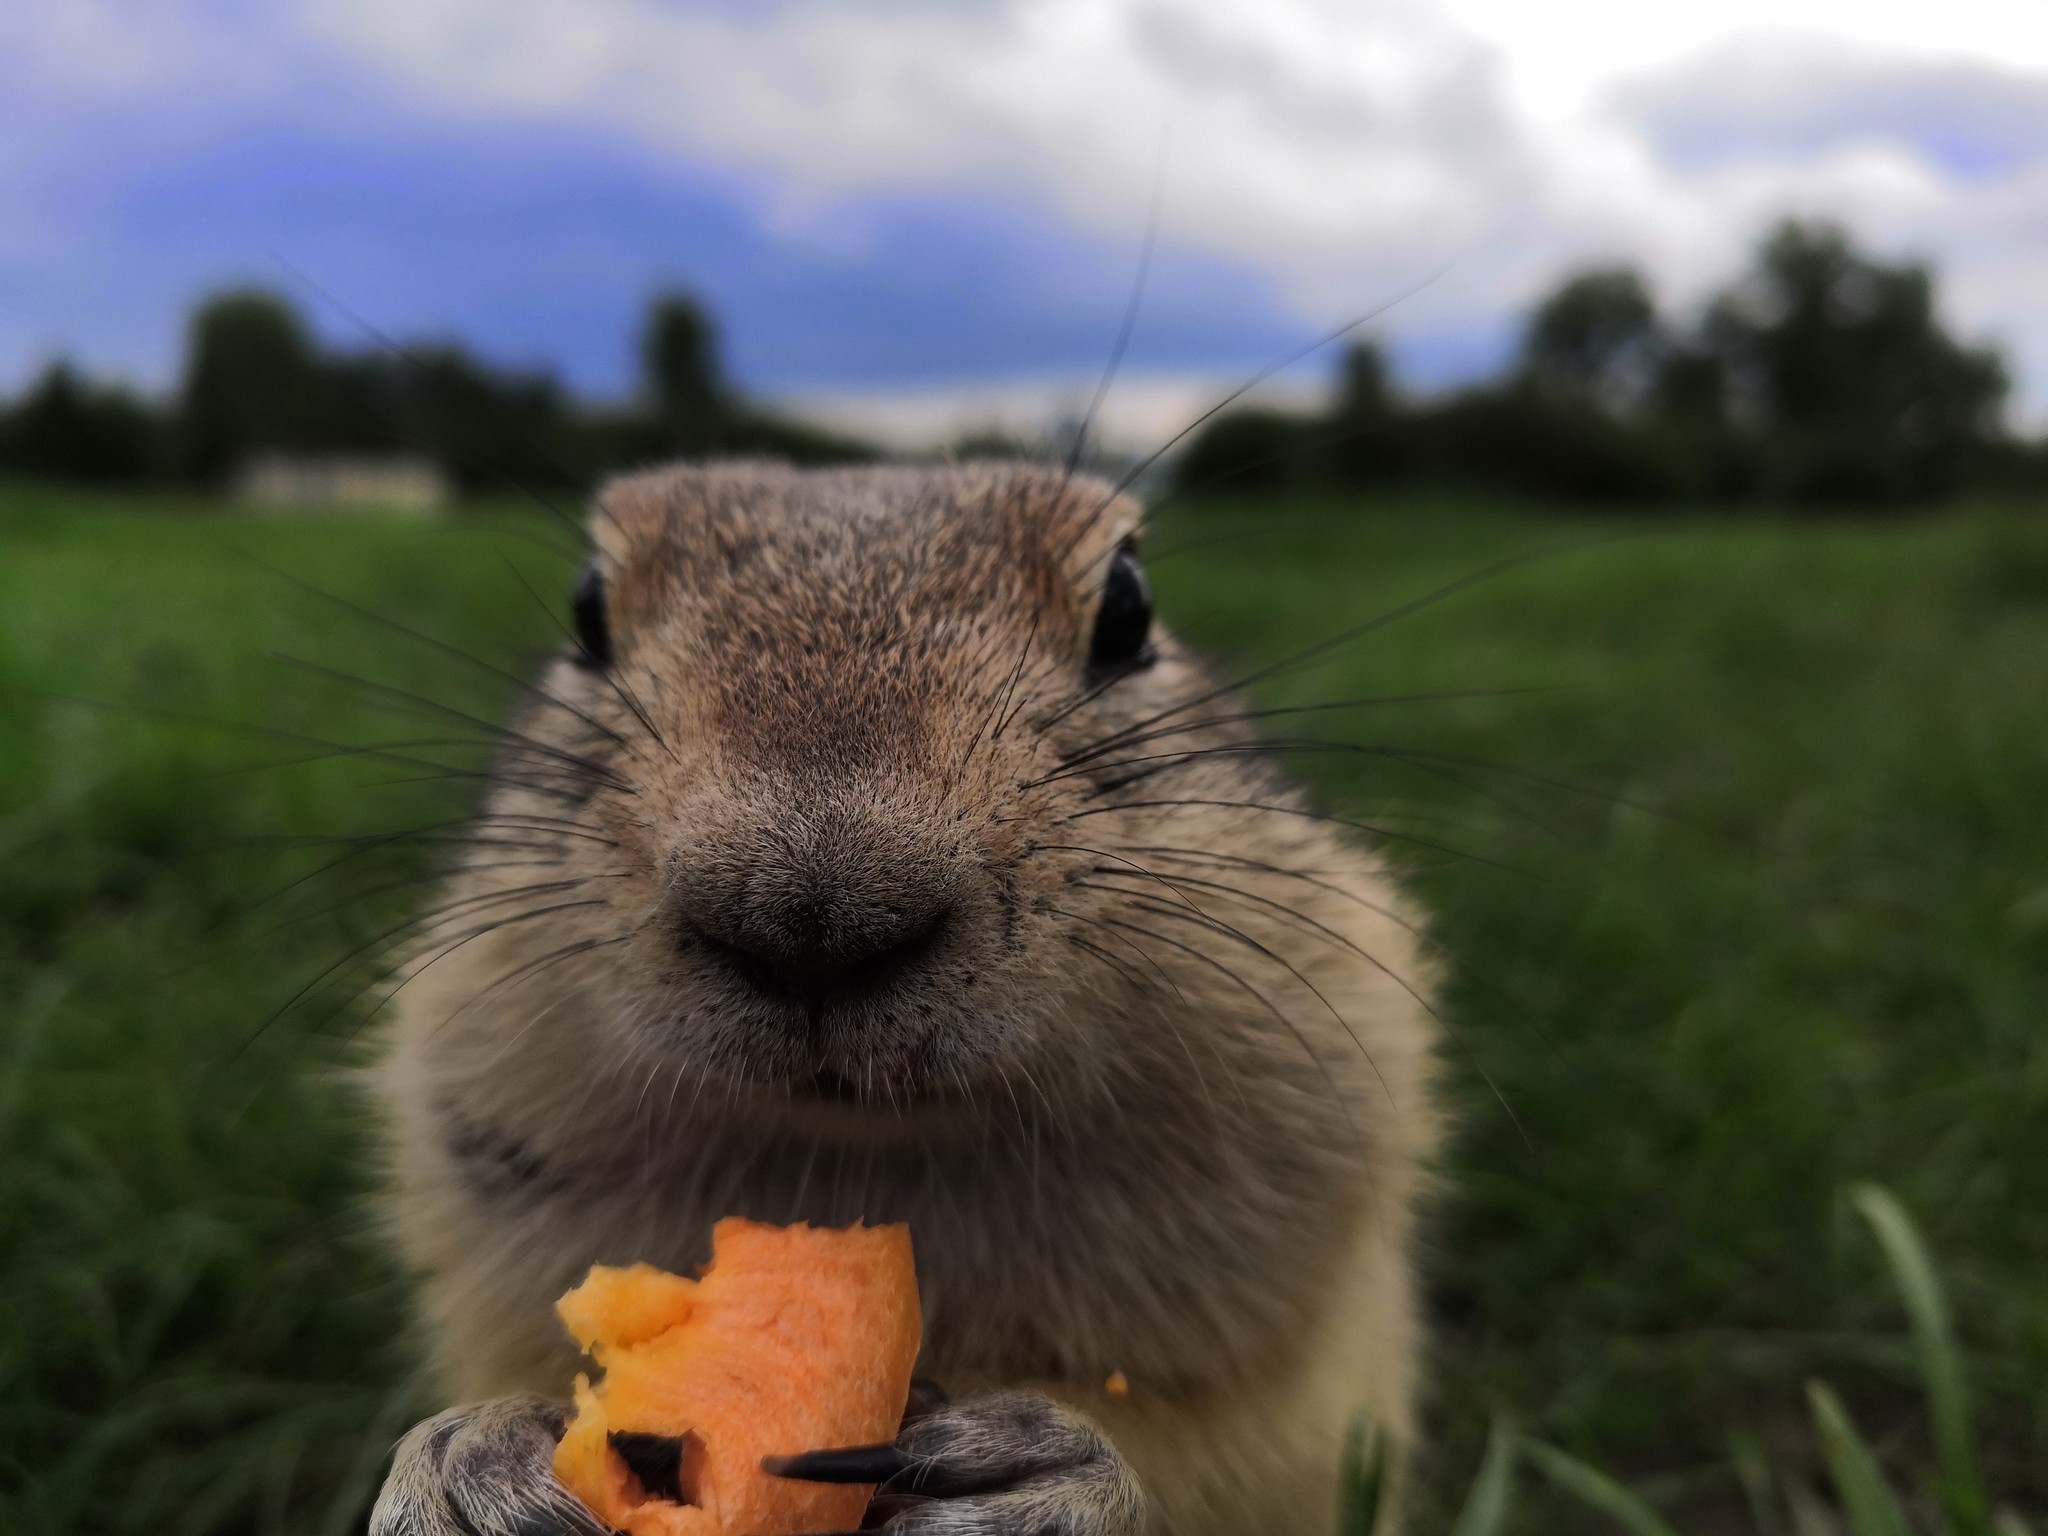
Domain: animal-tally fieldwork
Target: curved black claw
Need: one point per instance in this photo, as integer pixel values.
(847, 1464)
(993, 1466)
(861, 1463)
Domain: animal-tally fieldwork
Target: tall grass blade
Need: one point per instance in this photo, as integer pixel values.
(1487, 1504)
(1810, 1516)
(1594, 1487)
(1873, 1510)
(1362, 1479)
(1962, 1486)
(1753, 1472)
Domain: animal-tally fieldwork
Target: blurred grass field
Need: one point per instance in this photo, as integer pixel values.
(1744, 897)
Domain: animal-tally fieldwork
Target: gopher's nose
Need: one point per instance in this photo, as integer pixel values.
(824, 906)
(808, 952)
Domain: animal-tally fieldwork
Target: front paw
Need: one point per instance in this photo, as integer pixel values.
(483, 1470)
(1007, 1464)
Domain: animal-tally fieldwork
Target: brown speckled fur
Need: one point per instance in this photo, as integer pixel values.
(1125, 1137)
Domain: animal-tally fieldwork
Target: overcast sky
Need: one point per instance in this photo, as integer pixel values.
(899, 195)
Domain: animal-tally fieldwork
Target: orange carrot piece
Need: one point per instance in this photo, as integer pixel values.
(794, 1339)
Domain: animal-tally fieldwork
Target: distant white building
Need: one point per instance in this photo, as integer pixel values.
(284, 482)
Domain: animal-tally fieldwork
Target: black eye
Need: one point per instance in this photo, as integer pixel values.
(593, 633)
(1123, 624)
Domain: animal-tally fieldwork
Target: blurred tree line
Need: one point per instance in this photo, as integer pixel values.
(255, 380)
(1821, 375)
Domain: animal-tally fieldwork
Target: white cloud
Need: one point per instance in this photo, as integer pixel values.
(1143, 411)
(1346, 149)
(1316, 128)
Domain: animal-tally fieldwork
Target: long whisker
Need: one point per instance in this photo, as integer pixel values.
(620, 689)
(1421, 759)
(1078, 450)
(533, 968)
(455, 830)
(1179, 1035)
(1354, 632)
(483, 930)
(1167, 762)
(1294, 810)
(1137, 977)
(1231, 931)
(378, 943)
(1304, 921)
(367, 893)
(385, 621)
(398, 353)
(1124, 965)
(1134, 865)
(1243, 716)
(1322, 1067)
(1309, 877)
(1088, 696)
(499, 733)
(1002, 709)
(1137, 471)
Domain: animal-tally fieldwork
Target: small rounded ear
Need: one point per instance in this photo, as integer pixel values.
(632, 523)
(626, 516)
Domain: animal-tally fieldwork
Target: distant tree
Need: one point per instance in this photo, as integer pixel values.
(355, 404)
(780, 437)
(1365, 382)
(1691, 386)
(1364, 443)
(1822, 375)
(492, 430)
(683, 378)
(1840, 364)
(1595, 340)
(252, 381)
(990, 443)
(1248, 452)
(1525, 440)
(66, 427)
(1690, 412)
(255, 379)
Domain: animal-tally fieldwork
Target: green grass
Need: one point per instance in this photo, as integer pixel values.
(196, 1333)
(1826, 960)
(1953, 1502)
(1760, 909)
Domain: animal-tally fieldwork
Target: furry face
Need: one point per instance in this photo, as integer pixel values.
(799, 779)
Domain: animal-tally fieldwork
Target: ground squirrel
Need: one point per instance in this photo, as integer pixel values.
(872, 855)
